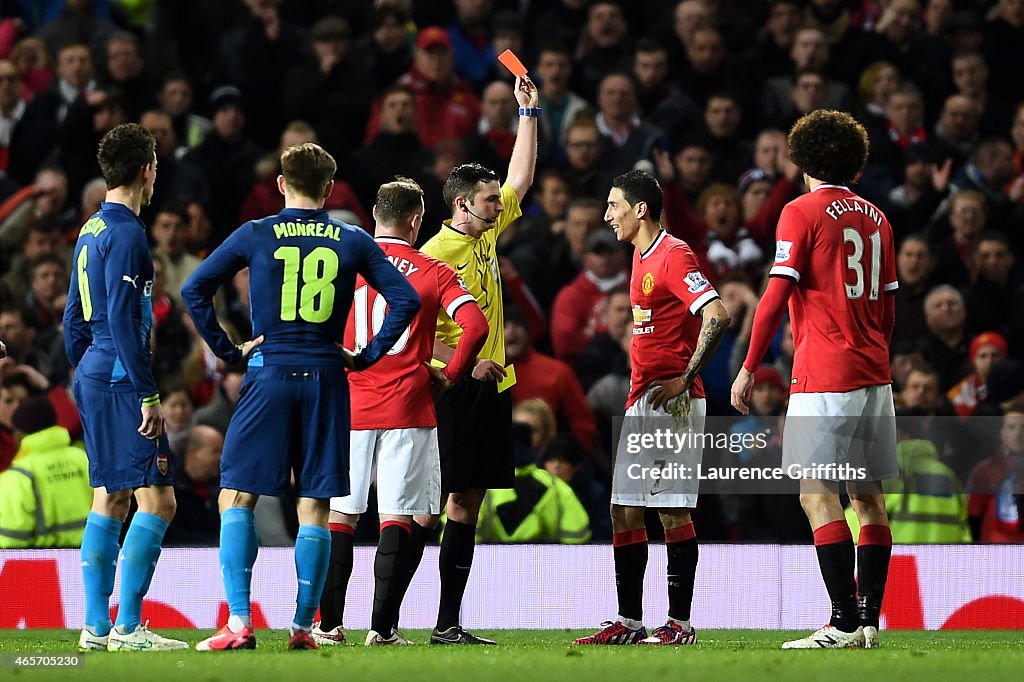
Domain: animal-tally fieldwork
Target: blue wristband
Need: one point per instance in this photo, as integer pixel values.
(530, 111)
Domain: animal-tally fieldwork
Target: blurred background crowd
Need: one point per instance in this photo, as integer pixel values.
(699, 92)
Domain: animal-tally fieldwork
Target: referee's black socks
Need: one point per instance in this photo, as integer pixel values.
(630, 550)
(339, 570)
(388, 571)
(454, 561)
(834, 545)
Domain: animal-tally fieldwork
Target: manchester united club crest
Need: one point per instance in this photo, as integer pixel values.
(161, 464)
(647, 284)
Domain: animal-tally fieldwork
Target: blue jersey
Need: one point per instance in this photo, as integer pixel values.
(302, 273)
(109, 312)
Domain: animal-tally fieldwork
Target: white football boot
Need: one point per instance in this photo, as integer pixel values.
(88, 641)
(870, 637)
(142, 639)
(828, 637)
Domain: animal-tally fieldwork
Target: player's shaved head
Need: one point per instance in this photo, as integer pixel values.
(307, 169)
(829, 145)
(397, 201)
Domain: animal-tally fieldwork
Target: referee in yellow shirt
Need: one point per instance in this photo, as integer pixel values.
(474, 417)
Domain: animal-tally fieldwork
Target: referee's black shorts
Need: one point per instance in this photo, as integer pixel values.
(474, 435)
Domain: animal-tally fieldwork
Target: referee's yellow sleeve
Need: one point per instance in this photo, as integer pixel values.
(511, 212)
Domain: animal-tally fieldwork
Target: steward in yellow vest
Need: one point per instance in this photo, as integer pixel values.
(539, 508)
(926, 504)
(45, 496)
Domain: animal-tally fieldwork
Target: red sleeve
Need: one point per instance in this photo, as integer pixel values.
(11, 204)
(8, 36)
(373, 124)
(977, 504)
(792, 244)
(577, 410)
(766, 319)
(889, 316)
(762, 225)
(685, 279)
(567, 335)
(474, 333)
(527, 304)
(460, 305)
(889, 277)
(680, 219)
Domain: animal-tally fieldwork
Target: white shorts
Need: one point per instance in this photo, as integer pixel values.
(658, 474)
(406, 465)
(842, 436)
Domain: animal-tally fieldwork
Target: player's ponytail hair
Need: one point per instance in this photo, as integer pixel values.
(307, 169)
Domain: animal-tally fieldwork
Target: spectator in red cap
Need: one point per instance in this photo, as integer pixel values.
(447, 107)
(769, 393)
(986, 349)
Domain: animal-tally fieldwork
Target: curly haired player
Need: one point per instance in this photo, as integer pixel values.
(835, 264)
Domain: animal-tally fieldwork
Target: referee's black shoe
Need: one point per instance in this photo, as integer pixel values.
(456, 635)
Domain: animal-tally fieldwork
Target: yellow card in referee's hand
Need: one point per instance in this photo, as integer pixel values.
(509, 381)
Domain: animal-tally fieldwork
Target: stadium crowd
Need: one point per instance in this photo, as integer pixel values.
(700, 92)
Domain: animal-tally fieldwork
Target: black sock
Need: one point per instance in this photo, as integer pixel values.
(413, 557)
(873, 554)
(681, 545)
(454, 561)
(630, 549)
(339, 570)
(834, 546)
(388, 565)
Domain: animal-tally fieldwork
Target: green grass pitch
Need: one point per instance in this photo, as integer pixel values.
(526, 655)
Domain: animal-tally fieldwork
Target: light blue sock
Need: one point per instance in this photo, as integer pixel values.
(99, 564)
(312, 554)
(238, 547)
(138, 562)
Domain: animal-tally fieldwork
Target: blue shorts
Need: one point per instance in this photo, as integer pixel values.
(289, 419)
(119, 457)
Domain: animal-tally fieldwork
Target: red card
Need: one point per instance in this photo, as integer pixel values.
(512, 63)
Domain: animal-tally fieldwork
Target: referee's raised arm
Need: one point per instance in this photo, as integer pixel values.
(524, 153)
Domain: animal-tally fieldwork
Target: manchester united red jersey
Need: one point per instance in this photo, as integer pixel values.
(839, 249)
(395, 392)
(668, 291)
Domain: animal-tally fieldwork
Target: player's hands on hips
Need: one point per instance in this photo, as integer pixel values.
(349, 357)
(526, 92)
(488, 370)
(741, 390)
(667, 389)
(152, 426)
(439, 383)
(251, 345)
